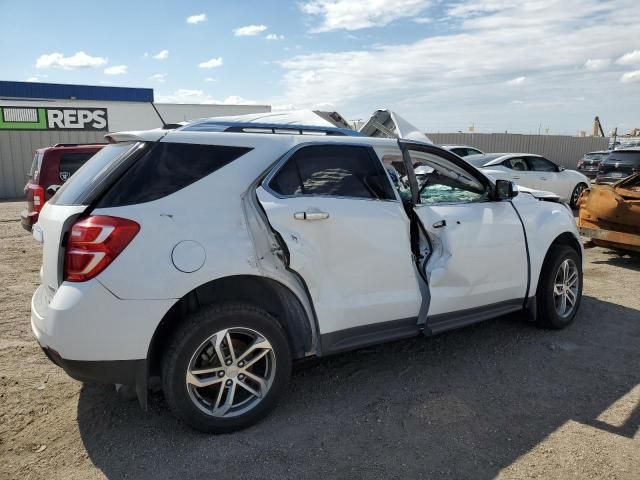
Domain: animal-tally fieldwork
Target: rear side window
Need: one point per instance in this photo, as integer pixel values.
(333, 170)
(167, 168)
(70, 163)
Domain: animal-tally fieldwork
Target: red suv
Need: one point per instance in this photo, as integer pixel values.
(51, 167)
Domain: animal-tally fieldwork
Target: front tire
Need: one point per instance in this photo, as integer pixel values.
(559, 288)
(575, 195)
(226, 367)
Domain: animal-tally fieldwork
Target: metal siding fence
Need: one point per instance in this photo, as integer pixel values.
(561, 149)
(18, 147)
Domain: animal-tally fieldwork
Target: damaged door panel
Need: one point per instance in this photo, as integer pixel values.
(610, 214)
(477, 254)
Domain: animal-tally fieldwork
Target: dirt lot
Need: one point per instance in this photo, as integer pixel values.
(501, 398)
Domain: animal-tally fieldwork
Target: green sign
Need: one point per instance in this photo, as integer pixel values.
(53, 118)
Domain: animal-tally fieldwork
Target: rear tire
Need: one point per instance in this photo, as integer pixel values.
(559, 288)
(217, 389)
(575, 195)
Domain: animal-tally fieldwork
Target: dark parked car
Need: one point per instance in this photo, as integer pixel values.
(619, 164)
(588, 165)
(51, 166)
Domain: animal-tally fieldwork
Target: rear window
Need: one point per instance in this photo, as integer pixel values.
(70, 163)
(595, 156)
(34, 171)
(166, 168)
(93, 172)
(627, 158)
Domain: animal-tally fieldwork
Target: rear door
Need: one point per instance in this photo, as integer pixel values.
(478, 263)
(548, 177)
(347, 236)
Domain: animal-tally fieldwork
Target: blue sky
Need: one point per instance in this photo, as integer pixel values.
(500, 65)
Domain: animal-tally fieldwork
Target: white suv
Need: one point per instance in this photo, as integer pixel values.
(213, 259)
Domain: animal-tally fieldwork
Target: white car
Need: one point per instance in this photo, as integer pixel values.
(533, 171)
(213, 258)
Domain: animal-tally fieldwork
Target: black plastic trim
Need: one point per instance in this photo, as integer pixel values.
(526, 244)
(371, 334)
(460, 318)
(125, 372)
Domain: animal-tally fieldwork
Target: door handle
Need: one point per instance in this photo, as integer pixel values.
(311, 215)
(516, 177)
(440, 224)
(543, 178)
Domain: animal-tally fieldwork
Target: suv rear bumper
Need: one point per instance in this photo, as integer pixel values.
(93, 335)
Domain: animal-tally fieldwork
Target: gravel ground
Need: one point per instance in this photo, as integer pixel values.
(500, 398)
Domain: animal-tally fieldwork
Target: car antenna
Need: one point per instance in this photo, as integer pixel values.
(164, 124)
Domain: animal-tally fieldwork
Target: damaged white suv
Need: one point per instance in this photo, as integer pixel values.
(214, 255)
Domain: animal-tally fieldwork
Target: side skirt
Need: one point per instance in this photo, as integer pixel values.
(365, 335)
(449, 321)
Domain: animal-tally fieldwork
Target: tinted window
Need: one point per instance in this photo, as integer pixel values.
(86, 179)
(335, 170)
(481, 160)
(167, 168)
(540, 164)
(628, 158)
(71, 162)
(516, 163)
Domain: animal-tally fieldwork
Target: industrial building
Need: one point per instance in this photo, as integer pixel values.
(35, 115)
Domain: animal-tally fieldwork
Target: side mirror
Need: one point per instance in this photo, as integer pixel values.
(52, 189)
(505, 189)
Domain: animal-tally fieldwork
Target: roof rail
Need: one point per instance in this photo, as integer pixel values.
(272, 128)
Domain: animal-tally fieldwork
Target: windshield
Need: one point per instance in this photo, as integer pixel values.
(83, 182)
(481, 160)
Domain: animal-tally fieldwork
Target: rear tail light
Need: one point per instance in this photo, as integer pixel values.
(580, 163)
(95, 242)
(38, 198)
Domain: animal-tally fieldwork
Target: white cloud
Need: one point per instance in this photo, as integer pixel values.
(195, 19)
(273, 36)
(461, 73)
(357, 14)
(631, 58)
(33, 79)
(517, 102)
(116, 70)
(186, 95)
(209, 79)
(596, 64)
(516, 81)
(75, 61)
(158, 77)
(162, 55)
(213, 63)
(423, 20)
(631, 77)
(249, 30)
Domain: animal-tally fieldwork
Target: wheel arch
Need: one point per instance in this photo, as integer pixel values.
(261, 292)
(565, 238)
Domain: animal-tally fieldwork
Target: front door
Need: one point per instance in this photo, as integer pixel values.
(347, 236)
(478, 256)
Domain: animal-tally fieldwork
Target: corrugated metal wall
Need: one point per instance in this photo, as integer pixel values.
(561, 149)
(17, 149)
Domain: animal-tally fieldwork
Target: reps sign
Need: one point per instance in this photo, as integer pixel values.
(53, 118)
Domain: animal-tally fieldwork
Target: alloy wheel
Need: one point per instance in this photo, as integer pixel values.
(576, 194)
(231, 372)
(565, 288)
